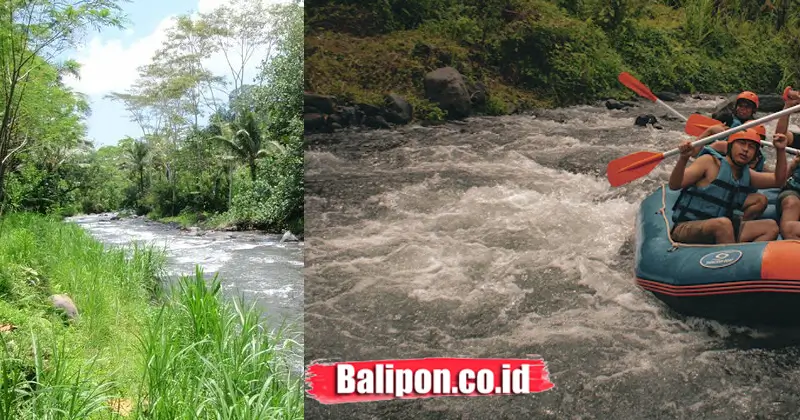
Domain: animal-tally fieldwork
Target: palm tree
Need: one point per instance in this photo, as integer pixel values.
(138, 154)
(227, 166)
(244, 139)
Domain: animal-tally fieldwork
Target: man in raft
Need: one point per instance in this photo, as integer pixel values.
(756, 203)
(745, 107)
(713, 188)
(788, 205)
(744, 110)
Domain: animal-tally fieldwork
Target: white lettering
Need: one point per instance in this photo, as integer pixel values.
(522, 379)
(464, 386)
(485, 381)
(345, 383)
(366, 381)
(404, 383)
(422, 381)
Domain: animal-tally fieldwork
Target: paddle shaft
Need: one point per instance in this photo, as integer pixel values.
(681, 116)
(728, 132)
(639, 87)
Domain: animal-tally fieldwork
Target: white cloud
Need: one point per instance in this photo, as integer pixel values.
(205, 6)
(107, 65)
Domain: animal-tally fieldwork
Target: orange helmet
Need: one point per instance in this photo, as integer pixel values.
(761, 130)
(750, 96)
(749, 135)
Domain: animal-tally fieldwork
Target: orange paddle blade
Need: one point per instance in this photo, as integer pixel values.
(631, 167)
(698, 123)
(635, 85)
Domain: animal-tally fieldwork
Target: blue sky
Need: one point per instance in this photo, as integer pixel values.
(109, 60)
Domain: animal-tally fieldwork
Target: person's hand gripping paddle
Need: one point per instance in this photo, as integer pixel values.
(636, 165)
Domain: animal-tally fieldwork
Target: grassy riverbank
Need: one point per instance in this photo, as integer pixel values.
(183, 353)
(549, 52)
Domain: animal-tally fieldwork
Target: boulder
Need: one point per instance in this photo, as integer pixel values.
(445, 86)
(65, 304)
(288, 237)
(615, 104)
(669, 96)
(323, 103)
(644, 120)
(398, 110)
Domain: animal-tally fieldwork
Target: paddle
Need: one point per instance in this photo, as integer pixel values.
(697, 124)
(631, 167)
(635, 85)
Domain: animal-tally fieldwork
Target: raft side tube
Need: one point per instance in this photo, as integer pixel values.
(687, 265)
(745, 284)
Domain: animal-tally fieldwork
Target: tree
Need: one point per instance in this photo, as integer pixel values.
(239, 29)
(280, 96)
(138, 154)
(244, 139)
(32, 34)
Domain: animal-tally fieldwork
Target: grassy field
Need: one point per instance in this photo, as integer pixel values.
(136, 348)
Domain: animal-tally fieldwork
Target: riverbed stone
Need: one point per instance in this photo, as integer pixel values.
(65, 304)
(615, 104)
(323, 103)
(669, 96)
(647, 119)
(398, 110)
(288, 237)
(446, 87)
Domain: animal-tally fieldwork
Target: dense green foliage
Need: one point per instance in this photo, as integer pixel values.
(557, 52)
(206, 149)
(195, 355)
(213, 148)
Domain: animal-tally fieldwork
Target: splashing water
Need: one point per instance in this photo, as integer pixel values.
(500, 237)
(251, 265)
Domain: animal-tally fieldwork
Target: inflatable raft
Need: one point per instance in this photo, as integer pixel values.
(743, 283)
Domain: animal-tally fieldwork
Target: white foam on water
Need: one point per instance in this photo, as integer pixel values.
(262, 260)
(703, 103)
(283, 292)
(529, 231)
(245, 246)
(180, 243)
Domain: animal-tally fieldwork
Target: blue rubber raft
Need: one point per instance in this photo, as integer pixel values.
(746, 283)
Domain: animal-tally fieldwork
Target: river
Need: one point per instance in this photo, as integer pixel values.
(501, 237)
(256, 266)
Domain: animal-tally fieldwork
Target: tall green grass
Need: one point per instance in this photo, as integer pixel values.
(182, 352)
(219, 363)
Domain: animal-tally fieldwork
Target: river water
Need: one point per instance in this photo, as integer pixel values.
(500, 237)
(258, 267)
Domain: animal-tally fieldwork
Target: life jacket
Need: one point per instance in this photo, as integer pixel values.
(718, 199)
(708, 150)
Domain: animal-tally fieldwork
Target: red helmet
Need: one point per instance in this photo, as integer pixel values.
(750, 96)
(749, 135)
